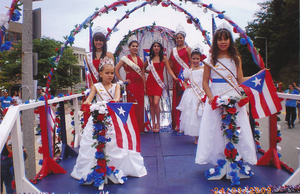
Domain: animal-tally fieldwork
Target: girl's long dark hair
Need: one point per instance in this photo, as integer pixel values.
(234, 54)
(161, 52)
(99, 36)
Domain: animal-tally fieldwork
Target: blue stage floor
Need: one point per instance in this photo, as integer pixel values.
(170, 162)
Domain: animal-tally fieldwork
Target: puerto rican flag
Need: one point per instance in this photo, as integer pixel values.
(262, 95)
(125, 124)
(88, 77)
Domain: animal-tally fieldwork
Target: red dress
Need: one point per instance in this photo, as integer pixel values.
(153, 89)
(135, 92)
(177, 89)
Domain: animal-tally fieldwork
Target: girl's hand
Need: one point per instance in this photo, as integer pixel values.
(210, 99)
(175, 78)
(115, 100)
(86, 102)
(127, 81)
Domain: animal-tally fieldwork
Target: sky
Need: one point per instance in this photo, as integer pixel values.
(60, 16)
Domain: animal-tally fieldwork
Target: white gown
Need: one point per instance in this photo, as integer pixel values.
(130, 162)
(190, 106)
(211, 143)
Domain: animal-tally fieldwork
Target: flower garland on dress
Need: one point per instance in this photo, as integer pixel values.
(101, 122)
(231, 131)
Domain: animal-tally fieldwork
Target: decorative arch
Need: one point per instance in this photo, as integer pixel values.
(165, 3)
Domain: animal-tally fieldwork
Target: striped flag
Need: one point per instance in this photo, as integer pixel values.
(147, 122)
(262, 95)
(125, 124)
(214, 26)
(88, 77)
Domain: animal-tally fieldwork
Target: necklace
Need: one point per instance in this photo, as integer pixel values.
(99, 53)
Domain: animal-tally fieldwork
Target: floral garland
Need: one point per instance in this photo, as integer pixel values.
(101, 122)
(231, 131)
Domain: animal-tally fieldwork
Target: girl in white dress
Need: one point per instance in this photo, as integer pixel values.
(224, 68)
(191, 104)
(127, 162)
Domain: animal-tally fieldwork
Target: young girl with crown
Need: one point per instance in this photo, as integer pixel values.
(179, 60)
(155, 85)
(91, 161)
(192, 101)
(225, 137)
(135, 80)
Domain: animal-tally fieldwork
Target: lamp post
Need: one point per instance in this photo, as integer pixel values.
(256, 37)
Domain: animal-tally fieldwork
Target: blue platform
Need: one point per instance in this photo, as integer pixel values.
(170, 161)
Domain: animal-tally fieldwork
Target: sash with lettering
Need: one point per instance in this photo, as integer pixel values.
(198, 91)
(182, 64)
(102, 92)
(229, 77)
(131, 64)
(157, 78)
(89, 61)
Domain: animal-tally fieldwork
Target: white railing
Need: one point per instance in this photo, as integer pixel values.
(11, 125)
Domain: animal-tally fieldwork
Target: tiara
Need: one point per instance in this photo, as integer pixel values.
(132, 38)
(180, 30)
(197, 48)
(224, 26)
(99, 29)
(106, 61)
(156, 38)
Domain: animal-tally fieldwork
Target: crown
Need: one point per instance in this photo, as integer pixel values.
(99, 29)
(156, 38)
(197, 48)
(180, 30)
(106, 61)
(132, 38)
(224, 26)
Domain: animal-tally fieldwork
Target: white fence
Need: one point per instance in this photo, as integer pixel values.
(11, 125)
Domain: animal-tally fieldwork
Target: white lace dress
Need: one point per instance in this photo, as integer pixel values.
(211, 143)
(190, 105)
(130, 162)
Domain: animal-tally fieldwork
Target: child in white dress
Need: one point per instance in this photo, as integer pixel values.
(127, 162)
(225, 137)
(191, 104)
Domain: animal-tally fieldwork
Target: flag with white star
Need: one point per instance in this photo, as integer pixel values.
(262, 95)
(125, 125)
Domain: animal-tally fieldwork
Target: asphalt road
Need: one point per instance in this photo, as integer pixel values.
(290, 140)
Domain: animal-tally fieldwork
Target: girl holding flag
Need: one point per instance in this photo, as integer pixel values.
(155, 85)
(126, 162)
(225, 137)
(179, 60)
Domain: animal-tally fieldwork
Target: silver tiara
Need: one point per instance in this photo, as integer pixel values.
(180, 30)
(132, 38)
(156, 38)
(99, 29)
(197, 48)
(106, 61)
(224, 26)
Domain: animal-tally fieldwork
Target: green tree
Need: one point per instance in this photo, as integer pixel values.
(63, 75)
(11, 63)
(278, 21)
